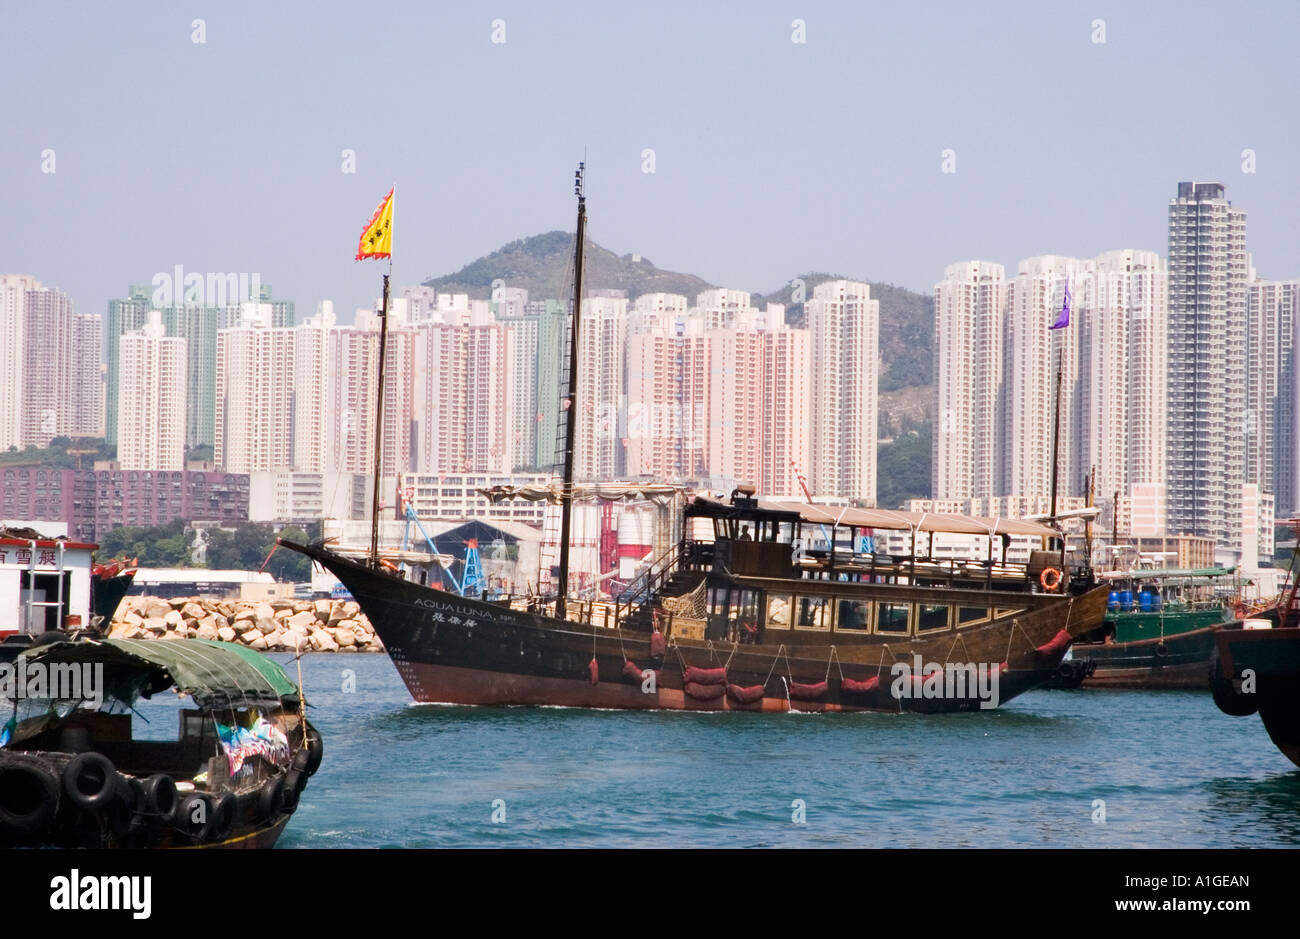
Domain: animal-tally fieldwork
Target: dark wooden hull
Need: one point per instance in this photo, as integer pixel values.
(457, 650)
(1179, 661)
(1274, 657)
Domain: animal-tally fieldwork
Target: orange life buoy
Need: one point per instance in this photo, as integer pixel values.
(388, 565)
(1050, 578)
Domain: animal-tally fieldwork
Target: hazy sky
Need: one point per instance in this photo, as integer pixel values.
(772, 157)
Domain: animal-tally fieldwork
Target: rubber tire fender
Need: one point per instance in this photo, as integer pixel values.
(224, 809)
(270, 801)
(1226, 697)
(26, 825)
(315, 750)
(160, 795)
(95, 769)
(184, 816)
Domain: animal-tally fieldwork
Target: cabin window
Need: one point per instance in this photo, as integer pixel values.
(892, 617)
(971, 614)
(854, 614)
(813, 613)
(932, 616)
(744, 607)
(778, 611)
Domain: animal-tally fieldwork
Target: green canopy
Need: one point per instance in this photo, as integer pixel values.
(212, 672)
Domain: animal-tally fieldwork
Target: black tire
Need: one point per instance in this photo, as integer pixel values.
(223, 816)
(29, 800)
(89, 780)
(1065, 671)
(270, 800)
(193, 822)
(1162, 650)
(119, 812)
(160, 795)
(289, 791)
(315, 749)
(1227, 698)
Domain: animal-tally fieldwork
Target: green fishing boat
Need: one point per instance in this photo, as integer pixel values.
(1159, 627)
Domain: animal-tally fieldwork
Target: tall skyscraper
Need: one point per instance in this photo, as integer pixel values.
(127, 315)
(1208, 272)
(601, 392)
(969, 391)
(51, 365)
(1122, 319)
(151, 399)
(552, 345)
(667, 395)
(255, 372)
(86, 392)
(787, 416)
(844, 324)
(462, 404)
(1033, 354)
(1270, 420)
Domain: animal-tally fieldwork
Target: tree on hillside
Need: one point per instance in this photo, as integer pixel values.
(245, 549)
(168, 545)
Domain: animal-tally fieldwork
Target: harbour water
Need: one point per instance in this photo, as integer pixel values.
(1167, 768)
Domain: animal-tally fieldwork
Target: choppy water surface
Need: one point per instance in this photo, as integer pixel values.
(1171, 769)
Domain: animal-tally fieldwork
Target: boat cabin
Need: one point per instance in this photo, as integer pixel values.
(45, 584)
(761, 565)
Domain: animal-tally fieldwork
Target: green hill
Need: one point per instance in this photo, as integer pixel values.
(543, 264)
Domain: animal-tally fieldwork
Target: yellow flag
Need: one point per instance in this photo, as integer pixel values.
(377, 236)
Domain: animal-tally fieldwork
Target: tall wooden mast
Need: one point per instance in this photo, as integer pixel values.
(571, 402)
(379, 430)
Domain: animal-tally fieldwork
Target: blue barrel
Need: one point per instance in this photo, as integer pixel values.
(1126, 600)
(1112, 601)
(1146, 601)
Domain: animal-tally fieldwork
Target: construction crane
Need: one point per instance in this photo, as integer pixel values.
(406, 498)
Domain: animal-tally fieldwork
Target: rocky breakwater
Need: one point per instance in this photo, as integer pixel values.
(268, 626)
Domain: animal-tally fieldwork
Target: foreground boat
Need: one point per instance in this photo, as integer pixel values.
(1256, 665)
(1159, 628)
(73, 775)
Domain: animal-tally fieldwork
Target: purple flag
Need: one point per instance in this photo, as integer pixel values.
(1063, 320)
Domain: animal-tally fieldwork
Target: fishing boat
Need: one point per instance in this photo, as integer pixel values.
(1256, 665)
(74, 773)
(1159, 627)
(761, 605)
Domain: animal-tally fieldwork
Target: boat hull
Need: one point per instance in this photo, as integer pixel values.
(456, 650)
(1176, 661)
(1273, 655)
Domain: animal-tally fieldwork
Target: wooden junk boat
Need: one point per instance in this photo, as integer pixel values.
(741, 617)
(72, 774)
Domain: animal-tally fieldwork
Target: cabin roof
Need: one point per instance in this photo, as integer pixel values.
(891, 519)
(211, 672)
(1157, 573)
